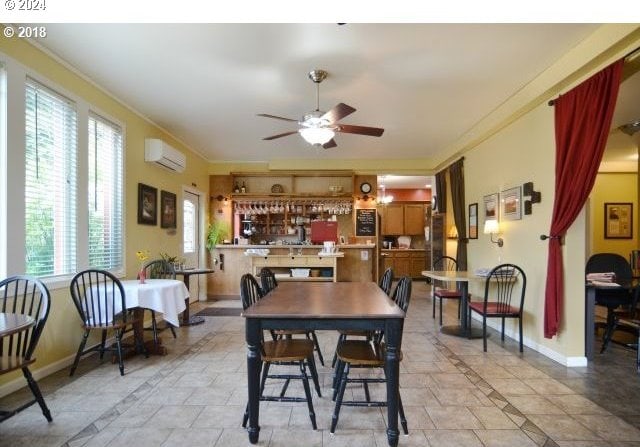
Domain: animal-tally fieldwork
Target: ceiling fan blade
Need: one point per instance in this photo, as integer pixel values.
(266, 115)
(361, 130)
(338, 112)
(329, 144)
(280, 135)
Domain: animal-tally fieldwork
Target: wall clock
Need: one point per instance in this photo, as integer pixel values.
(365, 187)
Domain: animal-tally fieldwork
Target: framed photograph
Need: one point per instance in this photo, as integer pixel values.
(167, 209)
(491, 206)
(618, 220)
(147, 204)
(511, 204)
(472, 232)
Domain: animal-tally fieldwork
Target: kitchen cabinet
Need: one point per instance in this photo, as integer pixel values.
(404, 262)
(403, 219)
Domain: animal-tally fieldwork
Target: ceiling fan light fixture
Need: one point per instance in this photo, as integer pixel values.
(317, 135)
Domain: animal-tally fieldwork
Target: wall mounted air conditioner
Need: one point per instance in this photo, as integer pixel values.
(160, 153)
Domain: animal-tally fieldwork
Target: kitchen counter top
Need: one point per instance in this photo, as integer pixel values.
(402, 249)
(274, 246)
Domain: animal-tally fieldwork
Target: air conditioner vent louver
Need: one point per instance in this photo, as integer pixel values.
(158, 152)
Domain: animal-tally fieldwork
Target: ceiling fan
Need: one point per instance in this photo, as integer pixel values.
(318, 128)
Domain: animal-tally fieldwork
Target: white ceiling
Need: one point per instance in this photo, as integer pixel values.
(426, 84)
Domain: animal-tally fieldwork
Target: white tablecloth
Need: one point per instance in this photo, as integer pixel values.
(166, 296)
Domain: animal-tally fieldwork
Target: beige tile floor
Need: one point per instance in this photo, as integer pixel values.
(453, 393)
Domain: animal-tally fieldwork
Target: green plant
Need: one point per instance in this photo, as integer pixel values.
(217, 232)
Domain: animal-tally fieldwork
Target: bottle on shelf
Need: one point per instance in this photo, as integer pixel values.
(236, 188)
(243, 189)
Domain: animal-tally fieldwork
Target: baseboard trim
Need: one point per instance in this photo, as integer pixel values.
(569, 362)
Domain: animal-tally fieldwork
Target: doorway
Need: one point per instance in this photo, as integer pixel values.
(192, 238)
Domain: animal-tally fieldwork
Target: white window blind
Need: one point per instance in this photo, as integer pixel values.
(105, 194)
(50, 182)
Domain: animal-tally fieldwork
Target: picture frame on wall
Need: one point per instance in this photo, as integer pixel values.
(147, 204)
(472, 232)
(511, 204)
(618, 220)
(167, 209)
(491, 206)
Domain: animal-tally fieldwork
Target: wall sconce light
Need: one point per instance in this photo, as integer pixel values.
(491, 226)
(453, 232)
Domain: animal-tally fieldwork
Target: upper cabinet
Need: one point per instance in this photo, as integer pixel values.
(403, 219)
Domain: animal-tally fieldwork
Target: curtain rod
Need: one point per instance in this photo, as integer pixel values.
(627, 57)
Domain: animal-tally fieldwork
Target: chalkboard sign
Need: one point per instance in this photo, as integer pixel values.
(365, 222)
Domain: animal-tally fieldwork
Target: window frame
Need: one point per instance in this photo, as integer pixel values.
(12, 209)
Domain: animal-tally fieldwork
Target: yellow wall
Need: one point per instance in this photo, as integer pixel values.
(524, 152)
(62, 332)
(612, 187)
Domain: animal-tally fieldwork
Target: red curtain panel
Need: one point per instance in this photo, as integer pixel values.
(582, 123)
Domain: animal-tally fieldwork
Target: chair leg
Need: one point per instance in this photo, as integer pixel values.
(307, 392)
(317, 346)
(341, 338)
(458, 309)
(340, 370)
(154, 327)
(83, 342)
(502, 329)
(433, 305)
(608, 334)
(103, 342)
(484, 333)
(339, 397)
(119, 348)
(314, 374)
(173, 330)
(520, 330)
(441, 304)
(403, 419)
(35, 389)
(265, 373)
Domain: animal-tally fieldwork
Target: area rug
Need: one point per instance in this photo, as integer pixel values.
(220, 312)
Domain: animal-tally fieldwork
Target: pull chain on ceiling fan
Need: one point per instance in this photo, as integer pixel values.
(318, 128)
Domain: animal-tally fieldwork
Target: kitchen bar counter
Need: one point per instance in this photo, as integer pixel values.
(356, 264)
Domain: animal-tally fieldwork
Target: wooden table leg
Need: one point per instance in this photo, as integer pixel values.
(254, 361)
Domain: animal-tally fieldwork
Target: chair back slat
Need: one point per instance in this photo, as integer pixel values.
(448, 264)
(99, 298)
(402, 293)
(250, 290)
(159, 269)
(25, 295)
(500, 285)
(267, 280)
(386, 280)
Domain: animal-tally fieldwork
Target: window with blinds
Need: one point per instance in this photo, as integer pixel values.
(50, 182)
(105, 194)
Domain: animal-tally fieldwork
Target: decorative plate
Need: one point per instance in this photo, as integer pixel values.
(277, 189)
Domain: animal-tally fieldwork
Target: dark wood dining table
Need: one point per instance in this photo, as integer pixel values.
(325, 305)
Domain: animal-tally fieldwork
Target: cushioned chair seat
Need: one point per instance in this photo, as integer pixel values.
(451, 294)
(495, 308)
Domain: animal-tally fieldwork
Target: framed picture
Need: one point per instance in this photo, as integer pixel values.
(167, 209)
(491, 206)
(472, 232)
(147, 204)
(511, 204)
(618, 220)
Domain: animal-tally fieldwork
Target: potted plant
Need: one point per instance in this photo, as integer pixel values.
(216, 233)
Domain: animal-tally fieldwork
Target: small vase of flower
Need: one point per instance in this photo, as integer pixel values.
(142, 274)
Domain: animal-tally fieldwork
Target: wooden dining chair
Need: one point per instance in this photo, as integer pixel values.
(385, 284)
(618, 302)
(367, 354)
(101, 303)
(500, 299)
(283, 351)
(444, 290)
(269, 282)
(23, 295)
(159, 269)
